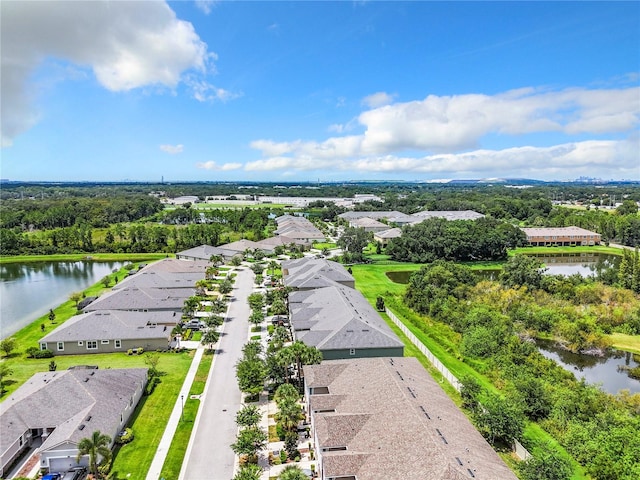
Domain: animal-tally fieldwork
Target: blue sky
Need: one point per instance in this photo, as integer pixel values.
(301, 91)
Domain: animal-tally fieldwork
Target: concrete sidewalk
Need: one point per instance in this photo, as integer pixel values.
(174, 419)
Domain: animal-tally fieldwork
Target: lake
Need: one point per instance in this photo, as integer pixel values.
(29, 290)
(596, 370)
(584, 264)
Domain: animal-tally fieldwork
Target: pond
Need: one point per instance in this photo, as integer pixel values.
(605, 370)
(29, 290)
(584, 264)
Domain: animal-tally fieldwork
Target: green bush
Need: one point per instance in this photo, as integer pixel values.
(280, 432)
(283, 456)
(42, 354)
(187, 334)
(125, 436)
(130, 352)
(151, 385)
(140, 350)
(31, 352)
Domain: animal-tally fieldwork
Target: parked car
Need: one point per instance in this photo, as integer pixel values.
(194, 324)
(75, 473)
(52, 476)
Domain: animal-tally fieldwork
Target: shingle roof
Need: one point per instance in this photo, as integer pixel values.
(367, 223)
(202, 252)
(142, 298)
(64, 400)
(387, 433)
(391, 233)
(312, 271)
(114, 324)
(558, 231)
(339, 318)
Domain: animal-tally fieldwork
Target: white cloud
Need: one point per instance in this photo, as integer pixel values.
(204, 91)
(172, 149)
(607, 157)
(127, 45)
(206, 6)
(447, 124)
(211, 165)
(378, 99)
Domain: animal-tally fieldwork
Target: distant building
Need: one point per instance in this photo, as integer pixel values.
(561, 236)
(368, 224)
(387, 418)
(448, 215)
(385, 236)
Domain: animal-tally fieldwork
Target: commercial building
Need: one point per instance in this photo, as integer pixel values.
(561, 236)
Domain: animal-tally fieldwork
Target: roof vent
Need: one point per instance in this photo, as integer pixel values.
(88, 419)
(81, 427)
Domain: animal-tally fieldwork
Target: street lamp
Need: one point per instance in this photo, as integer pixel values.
(182, 412)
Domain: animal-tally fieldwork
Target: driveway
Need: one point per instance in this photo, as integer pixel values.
(209, 456)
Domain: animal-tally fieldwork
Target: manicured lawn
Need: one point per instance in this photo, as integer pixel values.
(321, 245)
(150, 418)
(75, 257)
(175, 457)
(578, 249)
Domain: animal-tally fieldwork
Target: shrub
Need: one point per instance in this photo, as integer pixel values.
(125, 436)
(151, 385)
(130, 352)
(280, 432)
(140, 351)
(270, 329)
(31, 352)
(283, 456)
(43, 354)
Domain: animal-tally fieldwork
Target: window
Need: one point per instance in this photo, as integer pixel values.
(92, 344)
(104, 342)
(80, 343)
(352, 351)
(61, 346)
(117, 343)
(43, 346)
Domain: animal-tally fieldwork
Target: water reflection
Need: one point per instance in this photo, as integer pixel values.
(601, 370)
(29, 290)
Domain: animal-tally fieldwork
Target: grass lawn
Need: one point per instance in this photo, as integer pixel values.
(75, 257)
(629, 343)
(150, 418)
(321, 245)
(175, 456)
(577, 249)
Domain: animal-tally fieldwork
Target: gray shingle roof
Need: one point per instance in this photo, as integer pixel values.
(64, 400)
(313, 273)
(448, 214)
(114, 324)
(142, 298)
(341, 318)
(383, 405)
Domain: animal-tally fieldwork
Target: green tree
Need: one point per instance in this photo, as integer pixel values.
(210, 337)
(97, 448)
(248, 416)
(5, 371)
(380, 304)
(286, 393)
(75, 297)
(52, 316)
(292, 472)
(547, 464)
(354, 240)
(249, 471)
(256, 317)
(251, 374)
(105, 281)
(191, 305)
(249, 441)
(8, 345)
(522, 271)
(299, 354)
(256, 300)
(628, 207)
(501, 420)
(225, 287)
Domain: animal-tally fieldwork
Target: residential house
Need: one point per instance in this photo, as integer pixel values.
(109, 331)
(296, 273)
(339, 322)
(385, 236)
(136, 299)
(447, 214)
(58, 409)
(204, 252)
(368, 224)
(387, 418)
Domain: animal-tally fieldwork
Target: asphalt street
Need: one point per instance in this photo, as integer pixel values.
(209, 456)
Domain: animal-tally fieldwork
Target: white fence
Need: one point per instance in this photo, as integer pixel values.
(427, 353)
(520, 451)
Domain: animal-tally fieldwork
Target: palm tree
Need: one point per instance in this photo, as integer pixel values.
(215, 259)
(300, 354)
(292, 472)
(201, 287)
(286, 393)
(289, 415)
(273, 266)
(95, 446)
(191, 304)
(249, 471)
(210, 337)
